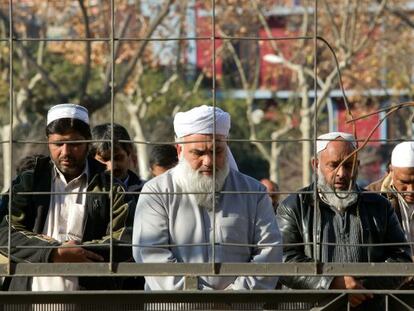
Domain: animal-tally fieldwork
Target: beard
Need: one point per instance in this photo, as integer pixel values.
(70, 167)
(339, 199)
(191, 180)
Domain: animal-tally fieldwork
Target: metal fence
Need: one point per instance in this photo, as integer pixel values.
(186, 300)
(190, 300)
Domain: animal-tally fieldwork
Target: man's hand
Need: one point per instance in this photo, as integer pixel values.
(74, 254)
(349, 282)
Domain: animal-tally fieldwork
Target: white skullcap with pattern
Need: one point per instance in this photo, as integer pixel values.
(323, 140)
(70, 111)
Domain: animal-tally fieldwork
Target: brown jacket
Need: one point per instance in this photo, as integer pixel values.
(382, 186)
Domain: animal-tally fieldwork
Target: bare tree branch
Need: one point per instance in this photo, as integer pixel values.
(372, 28)
(273, 43)
(249, 98)
(344, 27)
(331, 19)
(163, 90)
(182, 27)
(404, 17)
(95, 103)
(27, 55)
(123, 28)
(153, 26)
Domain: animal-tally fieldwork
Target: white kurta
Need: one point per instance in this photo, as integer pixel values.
(162, 219)
(64, 222)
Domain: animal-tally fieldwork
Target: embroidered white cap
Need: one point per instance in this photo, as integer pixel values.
(71, 111)
(323, 140)
(403, 155)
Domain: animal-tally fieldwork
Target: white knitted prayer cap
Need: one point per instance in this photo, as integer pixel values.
(403, 155)
(71, 111)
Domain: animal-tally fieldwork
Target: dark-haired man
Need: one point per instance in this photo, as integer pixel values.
(162, 158)
(76, 213)
(123, 159)
(121, 165)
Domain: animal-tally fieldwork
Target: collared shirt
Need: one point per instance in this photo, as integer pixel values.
(64, 222)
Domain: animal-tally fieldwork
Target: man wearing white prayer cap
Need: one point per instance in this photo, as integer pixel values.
(398, 186)
(69, 217)
(339, 218)
(186, 207)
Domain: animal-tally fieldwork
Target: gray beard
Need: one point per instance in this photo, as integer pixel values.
(191, 180)
(339, 199)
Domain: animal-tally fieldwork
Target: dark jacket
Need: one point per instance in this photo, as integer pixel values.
(383, 186)
(379, 225)
(135, 184)
(29, 214)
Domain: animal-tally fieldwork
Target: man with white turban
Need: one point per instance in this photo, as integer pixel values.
(186, 206)
(340, 217)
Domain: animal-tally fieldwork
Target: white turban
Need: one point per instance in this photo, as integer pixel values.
(200, 120)
(323, 140)
(70, 111)
(403, 155)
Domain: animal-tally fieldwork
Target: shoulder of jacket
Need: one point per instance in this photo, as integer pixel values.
(374, 199)
(296, 201)
(135, 183)
(25, 179)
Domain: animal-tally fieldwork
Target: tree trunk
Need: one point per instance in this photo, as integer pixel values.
(305, 128)
(274, 163)
(142, 149)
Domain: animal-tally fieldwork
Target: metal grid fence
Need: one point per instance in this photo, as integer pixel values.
(274, 300)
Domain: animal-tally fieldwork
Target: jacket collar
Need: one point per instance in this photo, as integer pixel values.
(134, 182)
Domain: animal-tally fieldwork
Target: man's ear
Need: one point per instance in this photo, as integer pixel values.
(315, 164)
(179, 149)
(133, 157)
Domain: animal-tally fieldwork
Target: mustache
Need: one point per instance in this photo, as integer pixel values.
(66, 158)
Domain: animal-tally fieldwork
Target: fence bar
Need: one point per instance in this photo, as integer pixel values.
(204, 269)
(11, 106)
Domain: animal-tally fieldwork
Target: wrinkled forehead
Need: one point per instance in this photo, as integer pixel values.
(407, 172)
(204, 138)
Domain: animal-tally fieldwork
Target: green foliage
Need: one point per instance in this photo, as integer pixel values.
(162, 106)
(248, 158)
